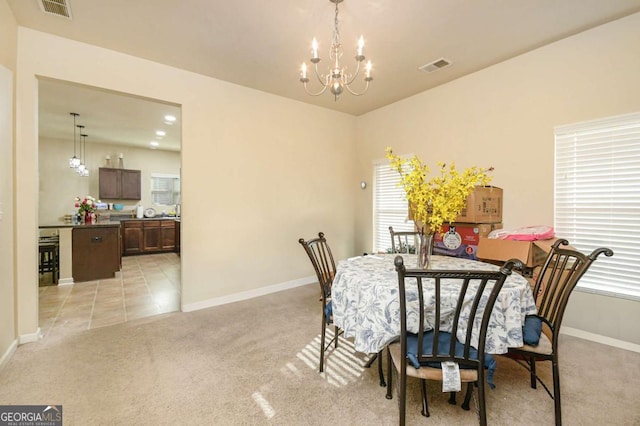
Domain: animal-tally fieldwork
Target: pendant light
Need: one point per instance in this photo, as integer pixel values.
(85, 171)
(81, 166)
(74, 161)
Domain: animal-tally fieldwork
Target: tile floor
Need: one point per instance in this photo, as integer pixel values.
(147, 285)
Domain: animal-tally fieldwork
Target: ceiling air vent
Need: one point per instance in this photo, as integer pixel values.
(436, 65)
(56, 7)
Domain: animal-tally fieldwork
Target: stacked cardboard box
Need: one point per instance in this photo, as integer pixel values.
(531, 253)
(482, 215)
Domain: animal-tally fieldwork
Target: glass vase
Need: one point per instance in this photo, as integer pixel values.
(424, 249)
(89, 218)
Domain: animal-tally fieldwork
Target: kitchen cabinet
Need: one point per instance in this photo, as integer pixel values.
(95, 252)
(151, 236)
(119, 184)
(132, 242)
(167, 235)
(178, 222)
(148, 236)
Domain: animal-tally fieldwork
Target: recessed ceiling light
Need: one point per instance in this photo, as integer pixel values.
(160, 133)
(154, 143)
(170, 118)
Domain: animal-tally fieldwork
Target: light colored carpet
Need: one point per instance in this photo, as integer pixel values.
(255, 363)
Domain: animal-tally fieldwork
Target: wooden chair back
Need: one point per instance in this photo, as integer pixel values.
(403, 241)
(321, 258)
(559, 275)
(477, 290)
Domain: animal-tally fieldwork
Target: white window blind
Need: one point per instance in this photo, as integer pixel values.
(597, 199)
(165, 189)
(390, 206)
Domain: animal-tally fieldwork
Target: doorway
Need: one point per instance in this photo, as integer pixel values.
(120, 131)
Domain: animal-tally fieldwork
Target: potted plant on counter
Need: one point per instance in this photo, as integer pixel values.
(86, 210)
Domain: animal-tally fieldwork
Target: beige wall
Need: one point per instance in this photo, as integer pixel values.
(8, 48)
(504, 117)
(258, 171)
(8, 36)
(59, 185)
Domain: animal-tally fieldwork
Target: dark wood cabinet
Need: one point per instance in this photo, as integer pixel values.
(148, 236)
(132, 241)
(167, 235)
(178, 237)
(151, 236)
(95, 252)
(119, 184)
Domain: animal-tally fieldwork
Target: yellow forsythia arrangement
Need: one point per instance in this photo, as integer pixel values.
(440, 199)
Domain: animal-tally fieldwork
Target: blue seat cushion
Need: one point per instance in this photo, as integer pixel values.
(531, 330)
(328, 311)
(444, 340)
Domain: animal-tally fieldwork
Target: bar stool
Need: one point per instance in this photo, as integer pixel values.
(48, 249)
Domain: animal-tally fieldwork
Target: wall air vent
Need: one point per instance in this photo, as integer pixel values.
(436, 65)
(56, 7)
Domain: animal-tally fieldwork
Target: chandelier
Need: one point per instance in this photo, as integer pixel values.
(337, 77)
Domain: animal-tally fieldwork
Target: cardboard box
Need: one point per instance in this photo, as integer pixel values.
(461, 239)
(484, 205)
(531, 253)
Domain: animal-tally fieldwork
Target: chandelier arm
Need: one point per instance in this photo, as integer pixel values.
(353, 76)
(324, 88)
(322, 79)
(366, 87)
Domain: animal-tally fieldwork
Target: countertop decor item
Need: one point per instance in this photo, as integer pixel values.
(86, 204)
(149, 212)
(439, 200)
(87, 209)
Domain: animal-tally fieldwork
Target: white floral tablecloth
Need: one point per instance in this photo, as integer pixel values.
(366, 305)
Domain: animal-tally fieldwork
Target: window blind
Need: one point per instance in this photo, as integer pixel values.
(165, 190)
(597, 199)
(390, 206)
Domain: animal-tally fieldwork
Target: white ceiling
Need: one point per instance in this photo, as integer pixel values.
(108, 117)
(261, 44)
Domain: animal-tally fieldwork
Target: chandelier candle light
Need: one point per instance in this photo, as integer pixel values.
(337, 77)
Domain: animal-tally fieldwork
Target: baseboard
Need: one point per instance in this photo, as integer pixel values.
(8, 353)
(65, 281)
(600, 339)
(249, 294)
(31, 337)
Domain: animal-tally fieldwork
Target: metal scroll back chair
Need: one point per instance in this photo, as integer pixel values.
(403, 241)
(322, 260)
(559, 275)
(420, 355)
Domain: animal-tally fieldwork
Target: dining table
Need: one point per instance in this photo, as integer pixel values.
(366, 306)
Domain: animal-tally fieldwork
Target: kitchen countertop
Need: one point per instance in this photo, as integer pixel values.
(152, 218)
(106, 223)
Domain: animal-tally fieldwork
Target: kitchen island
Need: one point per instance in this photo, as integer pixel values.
(91, 252)
(88, 252)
